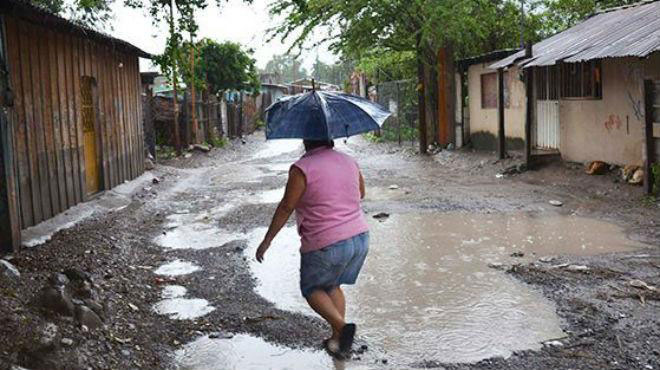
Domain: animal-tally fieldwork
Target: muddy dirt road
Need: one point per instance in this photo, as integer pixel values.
(466, 270)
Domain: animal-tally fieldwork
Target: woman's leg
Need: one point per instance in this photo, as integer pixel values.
(321, 302)
(338, 299)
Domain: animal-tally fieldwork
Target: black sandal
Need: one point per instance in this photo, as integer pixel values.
(334, 352)
(346, 337)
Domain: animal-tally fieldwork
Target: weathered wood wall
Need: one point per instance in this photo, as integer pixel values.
(46, 66)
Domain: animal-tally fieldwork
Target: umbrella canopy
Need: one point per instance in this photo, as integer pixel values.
(323, 115)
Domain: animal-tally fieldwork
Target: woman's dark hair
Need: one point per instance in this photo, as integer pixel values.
(313, 144)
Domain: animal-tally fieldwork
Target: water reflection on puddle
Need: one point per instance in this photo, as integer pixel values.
(196, 236)
(274, 148)
(426, 291)
(183, 308)
(244, 352)
(175, 306)
(177, 268)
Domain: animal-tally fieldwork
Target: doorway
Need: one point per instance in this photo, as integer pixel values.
(90, 134)
(545, 130)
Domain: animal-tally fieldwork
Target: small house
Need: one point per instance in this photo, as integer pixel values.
(480, 113)
(593, 88)
(70, 117)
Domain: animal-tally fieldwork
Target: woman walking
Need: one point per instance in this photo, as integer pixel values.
(324, 189)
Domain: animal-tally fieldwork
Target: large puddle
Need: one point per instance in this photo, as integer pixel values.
(244, 352)
(426, 291)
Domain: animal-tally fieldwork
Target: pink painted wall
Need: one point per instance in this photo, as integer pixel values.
(610, 129)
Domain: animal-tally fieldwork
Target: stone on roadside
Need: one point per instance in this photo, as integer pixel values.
(67, 342)
(9, 270)
(49, 332)
(95, 306)
(597, 168)
(628, 171)
(56, 300)
(577, 268)
(556, 203)
(87, 317)
(76, 275)
(393, 187)
(59, 280)
(219, 335)
(148, 164)
(381, 216)
(202, 148)
(155, 180)
(187, 155)
(637, 177)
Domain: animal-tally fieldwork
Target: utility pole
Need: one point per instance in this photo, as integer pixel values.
(177, 134)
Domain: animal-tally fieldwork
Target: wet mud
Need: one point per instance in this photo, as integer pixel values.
(468, 271)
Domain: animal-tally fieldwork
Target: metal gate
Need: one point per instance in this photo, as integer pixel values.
(546, 135)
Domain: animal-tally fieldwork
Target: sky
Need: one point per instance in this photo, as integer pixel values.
(235, 21)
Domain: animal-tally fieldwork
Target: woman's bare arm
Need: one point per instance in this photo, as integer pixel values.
(363, 190)
(295, 188)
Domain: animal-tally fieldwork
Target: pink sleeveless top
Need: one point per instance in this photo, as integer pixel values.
(329, 210)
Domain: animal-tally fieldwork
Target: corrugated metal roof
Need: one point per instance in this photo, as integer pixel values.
(626, 31)
(39, 15)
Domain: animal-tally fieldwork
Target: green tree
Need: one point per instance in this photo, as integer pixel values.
(561, 14)
(336, 73)
(95, 14)
(287, 66)
(226, 66)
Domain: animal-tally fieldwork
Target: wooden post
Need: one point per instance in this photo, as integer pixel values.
(529, 114)
(648, 155)
(501, 139)
(177, 134)
(195, 127)
(421, 103)
(445, 125)
(10, 233)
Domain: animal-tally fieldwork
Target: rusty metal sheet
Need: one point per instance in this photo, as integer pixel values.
(620, 32)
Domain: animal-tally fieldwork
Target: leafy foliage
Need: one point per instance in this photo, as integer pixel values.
(226, 66)
(336, 73)
(288, 67)
(561, 14)
(94, 14)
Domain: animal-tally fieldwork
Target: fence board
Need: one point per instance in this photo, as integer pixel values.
(29, 123)
(55, 106)
(71, 82)
(130, 116)
(20, 148)
(63, 94)
(38, 124)
(80, 151)
(137, 101)
(46, 96)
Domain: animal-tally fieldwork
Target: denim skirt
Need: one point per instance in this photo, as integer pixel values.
(334, 265)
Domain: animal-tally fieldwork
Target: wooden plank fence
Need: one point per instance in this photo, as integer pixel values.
(46, 67)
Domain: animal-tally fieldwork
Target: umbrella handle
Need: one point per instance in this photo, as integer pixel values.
(346, 138)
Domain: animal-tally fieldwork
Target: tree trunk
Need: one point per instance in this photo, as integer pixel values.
(421, 103)
(177, 134)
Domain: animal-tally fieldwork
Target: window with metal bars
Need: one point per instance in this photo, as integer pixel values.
(569, 81)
